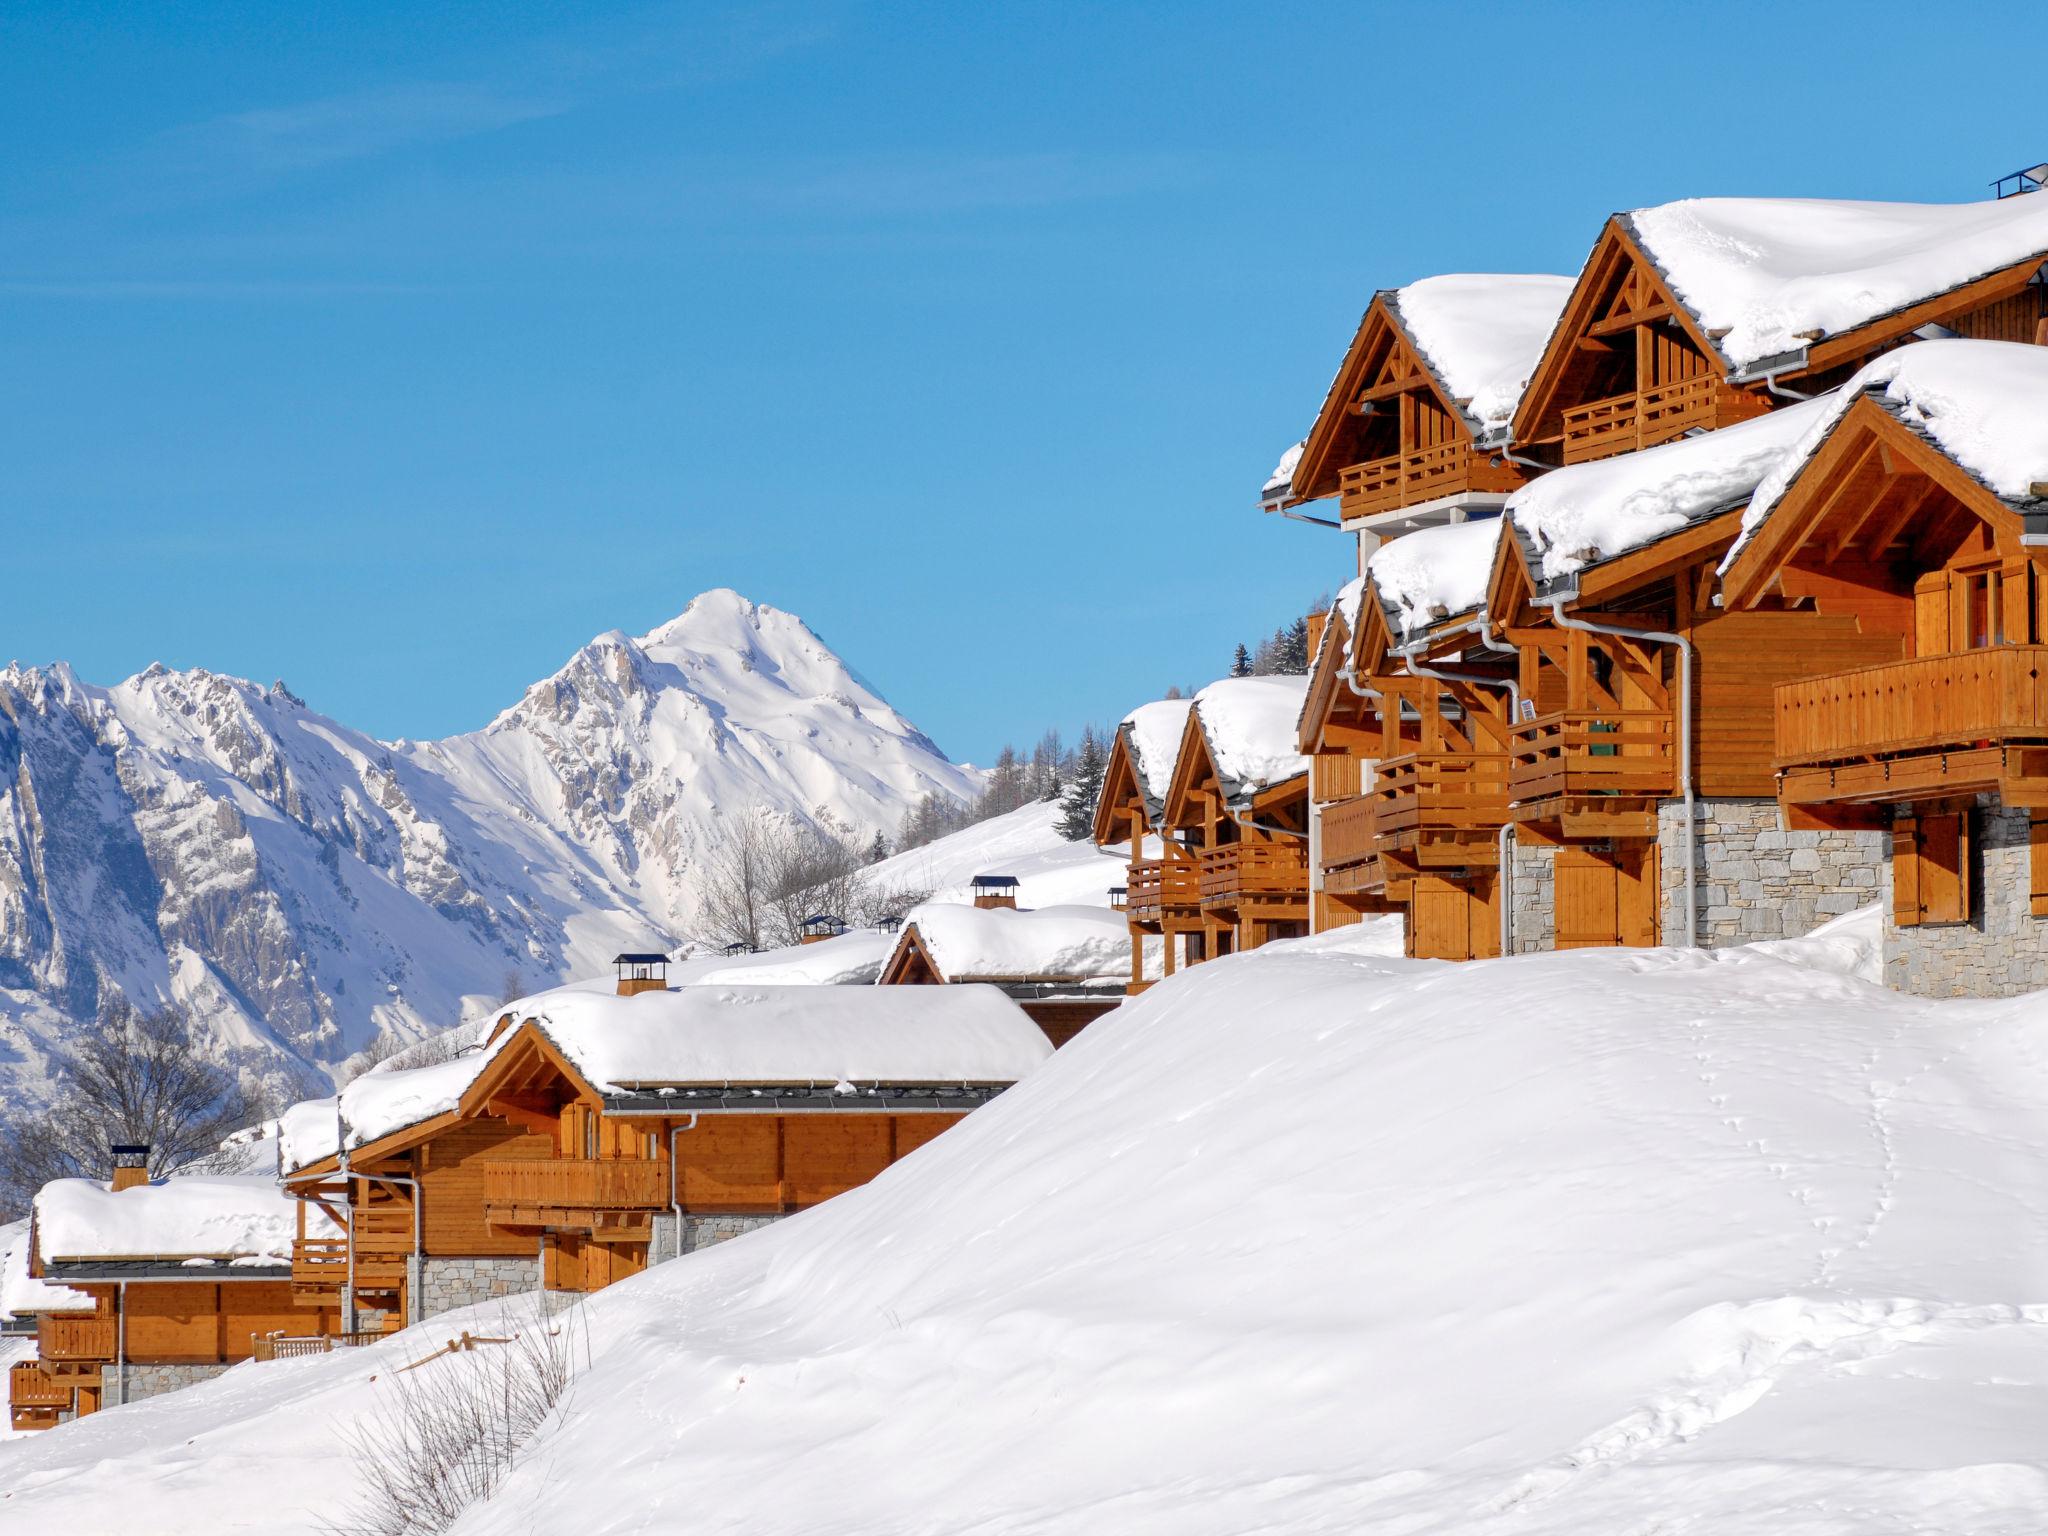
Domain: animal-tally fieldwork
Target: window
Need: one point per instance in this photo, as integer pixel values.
(1982, 621)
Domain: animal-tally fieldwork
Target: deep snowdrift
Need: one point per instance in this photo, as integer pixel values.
(1314, 1240)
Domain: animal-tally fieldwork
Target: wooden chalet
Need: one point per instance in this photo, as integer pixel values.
(1406, 435)
(1695, 315)
(1919, 515)
(1237, 807)
(1064, 966)
(668, 1121)
(1339, 734)
(1163, 886)
(179, 1279)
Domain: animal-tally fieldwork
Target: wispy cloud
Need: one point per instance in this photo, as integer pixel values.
(279, 141)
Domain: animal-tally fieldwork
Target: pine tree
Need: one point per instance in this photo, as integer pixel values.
(1084, 788)
(878, 850)
(1241, 663)
(1291, 644)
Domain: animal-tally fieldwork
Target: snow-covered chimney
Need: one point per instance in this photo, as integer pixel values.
(641, 973)
(131, 1165)
(995, 891)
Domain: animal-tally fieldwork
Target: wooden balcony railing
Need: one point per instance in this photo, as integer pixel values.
(1157, 886)
(74, 1338)
(1952, 724)
(1350, 835)
(1263, 872)
(30, 1386)
(1424, 795)
(578, 1183)
(383, 1243)
(1614, 752)
(1409, 479)
(1624, 423)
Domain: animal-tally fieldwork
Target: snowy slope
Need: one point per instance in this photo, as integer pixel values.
(1050, 871)
(301, 886)
(1314, 1240)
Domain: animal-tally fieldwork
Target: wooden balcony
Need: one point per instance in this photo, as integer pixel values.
(383, 1243)
(1441, 808)
(1967, 722)
(1596, 773)
(1624, 423)
(59, 1337)
(30, 1386)
(593, 1193)
(1161, 888)
(1410, 479)
(1254, 876)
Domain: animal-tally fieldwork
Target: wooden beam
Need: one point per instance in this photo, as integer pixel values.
(1615, 324)
(1392, 387)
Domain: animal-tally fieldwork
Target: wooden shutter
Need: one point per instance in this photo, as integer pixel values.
(1587, 900)
(1906, 872)
(2017, 602)
(2037, 862)
(1931, 614)
(1944, 849)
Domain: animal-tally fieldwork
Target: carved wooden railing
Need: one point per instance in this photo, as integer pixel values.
(1593, 752)
(1959, 699)
(1436, 793)
(608, 1184)
(1624, 423)
(1238, 871)
(1158, 884)
(383, 1243)
(1408, 479)
(1350, 835)
(74, 1338)
(30, 1386)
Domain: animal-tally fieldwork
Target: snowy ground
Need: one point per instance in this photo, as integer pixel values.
(1051, 871)
(1311, 1240)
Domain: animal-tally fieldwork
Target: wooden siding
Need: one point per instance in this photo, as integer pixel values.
(2017, 317)
(827, 1155)
(452, 1185)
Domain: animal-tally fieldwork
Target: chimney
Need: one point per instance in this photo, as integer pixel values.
(995, 891)
(131, 1166)
(641, 973)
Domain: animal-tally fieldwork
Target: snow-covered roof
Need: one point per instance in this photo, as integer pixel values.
(1281, 481)
(789, 1035)
(1482, 334)
(1583, 514)
(1249, 724)
(1350, 598)
(1065, 943)
(1983, 403)
(375, 1105)
(848, 959)
(1154, 731)
(21, 1293)
(1433, 574)
(238, 1218)
(1775, 273)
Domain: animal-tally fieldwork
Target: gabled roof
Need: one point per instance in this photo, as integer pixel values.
(1326, 689)
(772, 1036)
(1470, 338)
(235, 1220)
(1001, 944)
(1241, 735)
(1432, 575)
(1140, 765)
(1972, 415)
(1584, 515)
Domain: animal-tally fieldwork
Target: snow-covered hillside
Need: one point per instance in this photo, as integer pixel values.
(1050, 871)
(1312, 1240)
(189, 836)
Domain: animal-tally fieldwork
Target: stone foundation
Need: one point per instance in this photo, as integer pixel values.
(450, 1283)
(2002, 950)
(154, 1380)
(700, 1232)
(1757, 880)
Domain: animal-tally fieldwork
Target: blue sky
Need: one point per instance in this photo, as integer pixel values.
(396, 351)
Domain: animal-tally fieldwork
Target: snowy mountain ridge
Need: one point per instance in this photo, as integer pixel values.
(190, 836)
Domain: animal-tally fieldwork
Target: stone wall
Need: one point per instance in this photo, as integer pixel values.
(154, 1380)
(709, 1231)
(2003, 949)
(1756, 879)
(451, 1283)
(1534, 866)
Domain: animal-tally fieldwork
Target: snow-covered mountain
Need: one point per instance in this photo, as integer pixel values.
(302, 886)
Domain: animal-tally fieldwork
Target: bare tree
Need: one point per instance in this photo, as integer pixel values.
(130, 1077)
(734, 891)
(770, 873)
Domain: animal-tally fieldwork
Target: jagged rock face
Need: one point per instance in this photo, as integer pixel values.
(301, 886)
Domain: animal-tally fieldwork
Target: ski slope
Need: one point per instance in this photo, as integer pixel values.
(1313, 1240)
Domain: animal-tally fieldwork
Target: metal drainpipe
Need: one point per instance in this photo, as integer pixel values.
(121, 1336)
(349, 1266)
(1685, 785)
(1514, 688)
(1771, 383)
(675, 1180)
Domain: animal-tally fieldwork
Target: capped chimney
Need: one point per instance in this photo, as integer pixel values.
(641, 973)
(995, 891)
(131, 1165)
